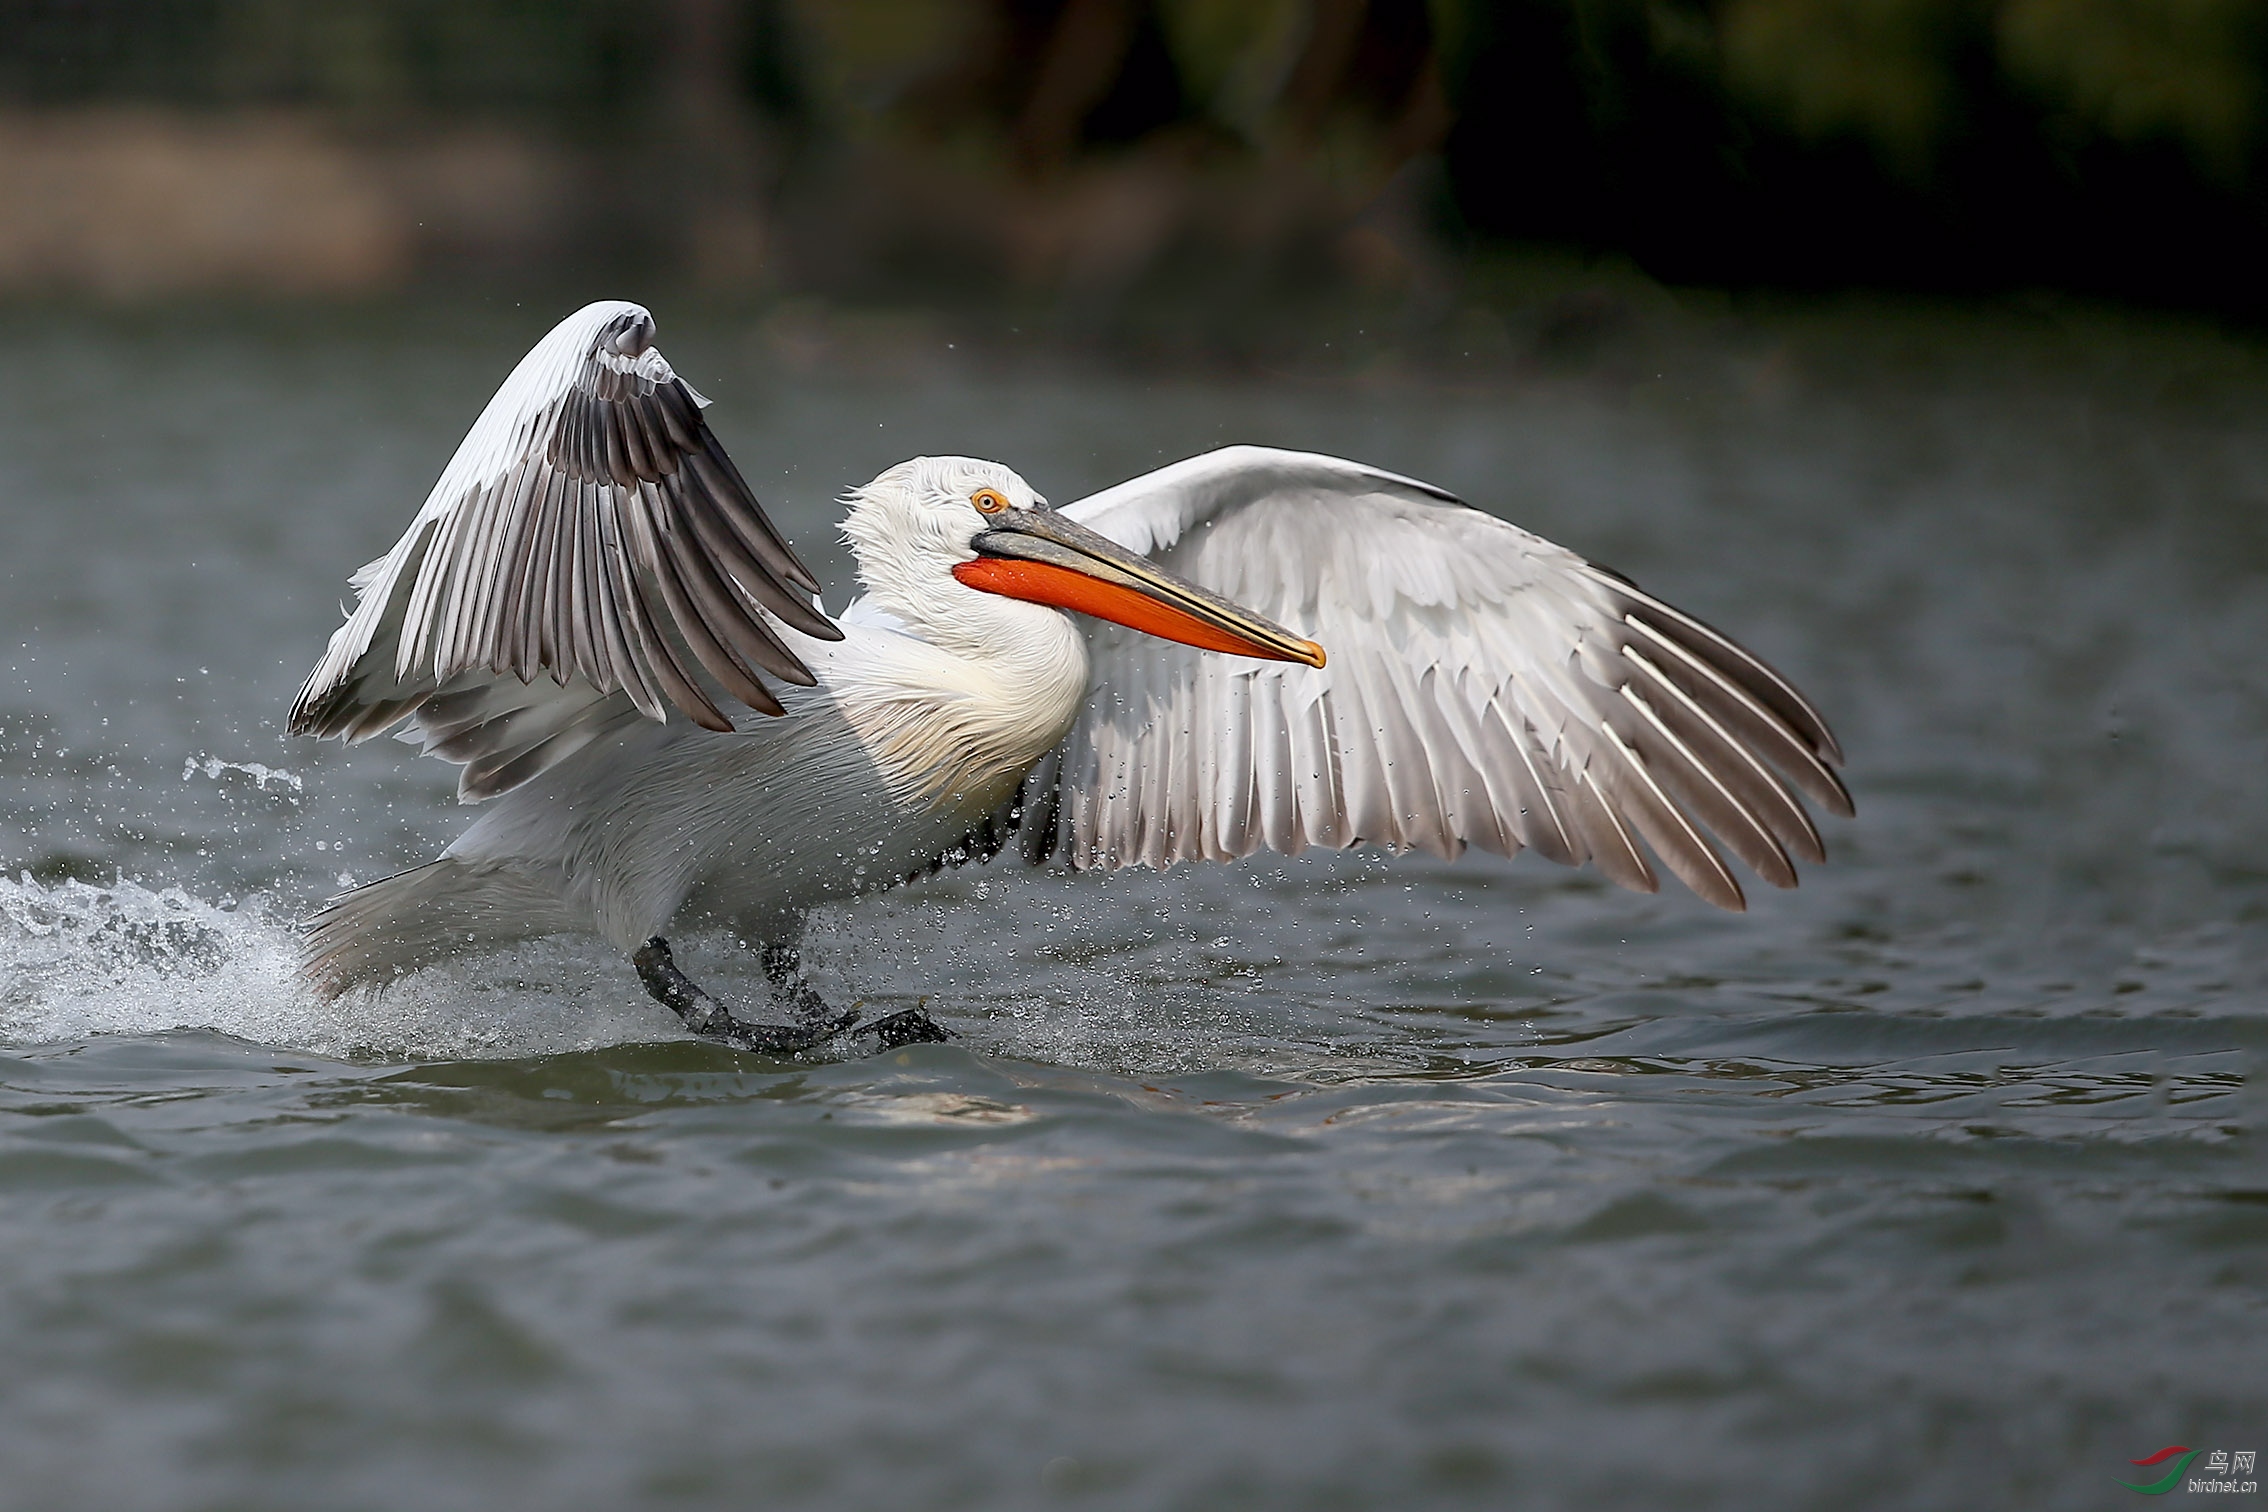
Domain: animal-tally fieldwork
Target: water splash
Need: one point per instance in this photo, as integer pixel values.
(260, 773)
(1108, 976)
(78, 959)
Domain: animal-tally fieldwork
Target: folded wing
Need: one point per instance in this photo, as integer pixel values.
(1484, 687)
(590, 531)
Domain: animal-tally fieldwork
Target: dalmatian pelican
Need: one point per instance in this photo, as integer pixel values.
(593, 617)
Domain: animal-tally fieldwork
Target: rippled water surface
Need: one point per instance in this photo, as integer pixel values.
(1331, 1183)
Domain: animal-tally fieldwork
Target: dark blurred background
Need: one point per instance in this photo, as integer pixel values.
(1086, 156)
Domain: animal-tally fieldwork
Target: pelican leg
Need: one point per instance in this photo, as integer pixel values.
(710, 1019)
(783, 968)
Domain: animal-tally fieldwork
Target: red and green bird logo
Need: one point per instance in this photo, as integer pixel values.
(2172, 1477)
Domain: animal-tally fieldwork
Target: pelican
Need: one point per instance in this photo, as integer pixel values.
(593, 617)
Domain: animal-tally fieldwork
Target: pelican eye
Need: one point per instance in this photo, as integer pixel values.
(989, 501)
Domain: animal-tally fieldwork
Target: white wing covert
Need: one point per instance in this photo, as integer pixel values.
(589, 530)
(1484, 687)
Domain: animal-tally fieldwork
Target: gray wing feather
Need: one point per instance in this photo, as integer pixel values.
(1485, 687)
(591, 530)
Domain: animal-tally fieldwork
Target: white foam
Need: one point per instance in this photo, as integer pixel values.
(78, 959)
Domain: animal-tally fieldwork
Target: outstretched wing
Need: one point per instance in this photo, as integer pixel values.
(589, 529)
(1484, 687)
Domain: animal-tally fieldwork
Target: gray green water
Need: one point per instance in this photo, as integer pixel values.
(1336, 1183)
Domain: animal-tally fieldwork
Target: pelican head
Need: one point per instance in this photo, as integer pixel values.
(942, 541)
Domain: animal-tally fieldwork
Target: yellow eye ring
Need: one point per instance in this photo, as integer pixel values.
(988, 501)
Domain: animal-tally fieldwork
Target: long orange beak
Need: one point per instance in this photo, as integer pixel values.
(1043, 558)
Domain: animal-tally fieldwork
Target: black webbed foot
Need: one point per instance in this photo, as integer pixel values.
(710, 1019)
(913, 1026)
(783, 969)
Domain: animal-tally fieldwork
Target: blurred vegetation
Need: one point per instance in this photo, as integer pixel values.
(546, 58)
(2111, 146)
